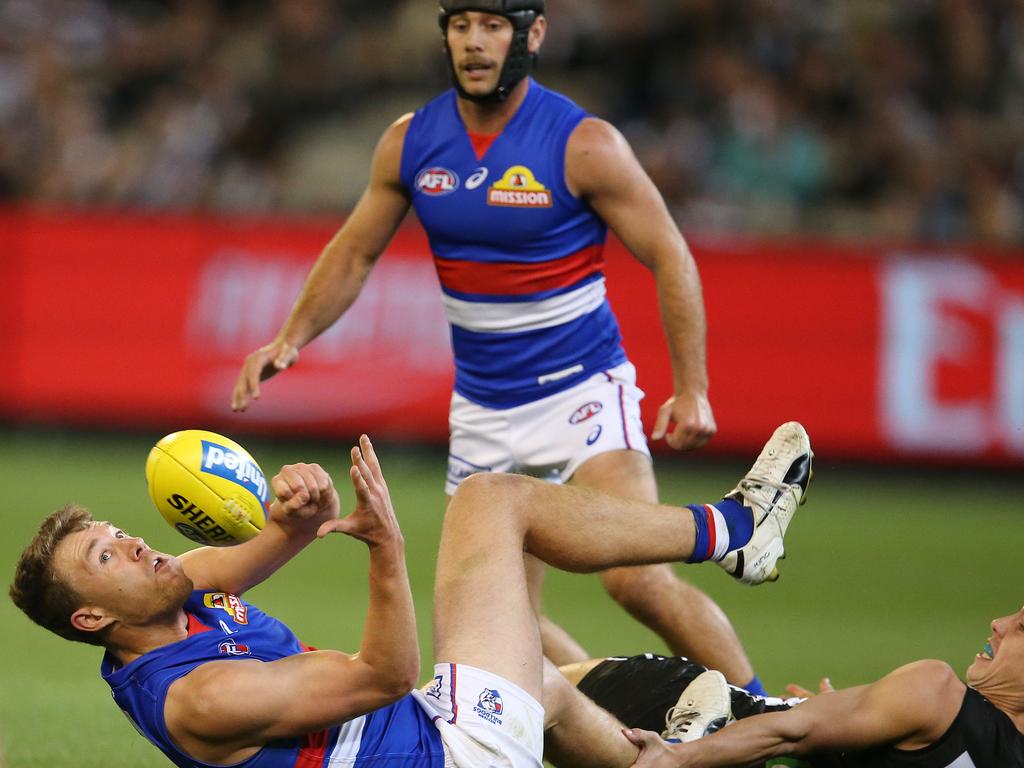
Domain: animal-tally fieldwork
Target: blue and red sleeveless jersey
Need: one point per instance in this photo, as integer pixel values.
(223, 626)
(519, 257)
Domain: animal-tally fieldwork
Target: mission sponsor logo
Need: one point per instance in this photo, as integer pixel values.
(228, 603)
(519, 189)
(437, 181)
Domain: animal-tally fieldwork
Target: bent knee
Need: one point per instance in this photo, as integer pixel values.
(491, 490)
(631, 585)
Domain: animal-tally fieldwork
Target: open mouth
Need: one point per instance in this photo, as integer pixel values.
(987, 652)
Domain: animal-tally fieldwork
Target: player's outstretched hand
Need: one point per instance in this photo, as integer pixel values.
(305, 495)
(694, 421)
(373, 520)
(824, 686)
(260, 366)
(654, 750)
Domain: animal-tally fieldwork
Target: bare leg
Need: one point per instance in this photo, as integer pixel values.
(577, 732)
(689, 621)
(482, 610)
(559, 645)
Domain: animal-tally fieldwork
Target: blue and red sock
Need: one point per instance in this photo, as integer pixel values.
(722, 527)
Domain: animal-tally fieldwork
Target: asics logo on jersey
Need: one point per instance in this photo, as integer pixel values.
(223, 462)
(519, 189)
(437, 181)
(478, 178)
(585, 411)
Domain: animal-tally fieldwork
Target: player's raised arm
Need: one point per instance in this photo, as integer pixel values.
(305, 499)
(602, 169)
(389, 638)
(213, 713)
(909, 708)
(339, 273)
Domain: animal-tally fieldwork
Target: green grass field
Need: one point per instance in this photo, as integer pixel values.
(884, 567)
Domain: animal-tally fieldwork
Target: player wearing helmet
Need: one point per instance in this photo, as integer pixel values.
(516, 187)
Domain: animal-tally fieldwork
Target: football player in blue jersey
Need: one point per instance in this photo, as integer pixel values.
(209, 678)
(516, 187)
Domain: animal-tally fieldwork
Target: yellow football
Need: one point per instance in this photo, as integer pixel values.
(207, 487)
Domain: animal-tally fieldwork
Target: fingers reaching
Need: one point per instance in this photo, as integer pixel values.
(259, 366)
(824, 686)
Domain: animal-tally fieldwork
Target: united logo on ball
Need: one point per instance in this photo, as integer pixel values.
(207, 487)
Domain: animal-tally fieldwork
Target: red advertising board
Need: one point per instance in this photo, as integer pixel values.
(894, 353)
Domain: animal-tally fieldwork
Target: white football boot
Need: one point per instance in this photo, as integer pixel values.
(703, 707)
(773, 488)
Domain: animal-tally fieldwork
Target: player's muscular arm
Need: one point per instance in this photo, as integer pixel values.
(601, 168)
(305, 499)
(213, 713)
(223, 711)
(909, 708)
(339, 273)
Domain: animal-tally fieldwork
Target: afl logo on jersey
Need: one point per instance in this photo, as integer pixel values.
(437, 181)
(519, 189)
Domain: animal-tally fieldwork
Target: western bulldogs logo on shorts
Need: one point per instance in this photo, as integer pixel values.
(489, 705)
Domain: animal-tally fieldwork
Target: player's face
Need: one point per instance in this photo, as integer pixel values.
(479, 43)
(1000, 664)
(120, 575)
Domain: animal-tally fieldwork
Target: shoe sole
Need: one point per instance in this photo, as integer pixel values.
(774, 575)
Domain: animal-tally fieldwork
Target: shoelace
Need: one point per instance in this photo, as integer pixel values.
(749, 483)
(678, 720)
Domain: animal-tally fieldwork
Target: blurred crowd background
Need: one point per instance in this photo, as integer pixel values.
(852, 118)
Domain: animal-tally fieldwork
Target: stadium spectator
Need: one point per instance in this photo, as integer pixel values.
(826, 116)
(184, 653)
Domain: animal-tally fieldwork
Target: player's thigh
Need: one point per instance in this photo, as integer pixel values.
(483, 615)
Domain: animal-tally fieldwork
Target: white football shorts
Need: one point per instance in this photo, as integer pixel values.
(548, 438)
(484, 720)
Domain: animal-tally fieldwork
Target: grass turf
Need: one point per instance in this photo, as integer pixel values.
(885, 567)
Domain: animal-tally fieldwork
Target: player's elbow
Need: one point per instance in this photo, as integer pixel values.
(406, 679)
(395, 679)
